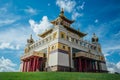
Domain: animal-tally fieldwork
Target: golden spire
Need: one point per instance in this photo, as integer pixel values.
(30, 40)
(62, 12)
(31, 36)
(94, 38)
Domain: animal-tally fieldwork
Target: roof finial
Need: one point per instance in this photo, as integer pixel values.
(79, 29)
(94, 38)
(62, 12)
(31, 36)
(93, 34)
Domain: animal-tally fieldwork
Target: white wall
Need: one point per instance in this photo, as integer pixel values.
(63, 59)
(53, 59)
(58, 58)
(103, 65)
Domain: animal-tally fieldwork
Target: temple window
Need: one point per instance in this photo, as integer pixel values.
(67, 38)
(94, 48)
(46, 40)
(52, 47)
(77, 41)
(55, 35)
(72, 39)
(80, 43)
(69, 48)
(63, 47)
(63, 35)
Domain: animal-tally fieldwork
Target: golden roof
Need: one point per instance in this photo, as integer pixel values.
(81, 34)
(45, 33)
(62, 16)
(59, 19)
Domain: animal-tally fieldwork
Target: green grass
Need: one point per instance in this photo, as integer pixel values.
(57, 76)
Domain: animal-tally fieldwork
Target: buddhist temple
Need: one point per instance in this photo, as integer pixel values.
(63, 48)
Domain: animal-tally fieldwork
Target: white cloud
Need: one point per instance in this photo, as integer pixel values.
(71, 7)
(118, 65)
(6, 17)
(108, 50)
(9, 46)
(6, 65)
(68, 5)
(112, 67)
(96, 21)
(116, 47)
(48, 4)
(7, 21)
(40, 27)
(117, 34)
(81, 6)
(75, 15)
(30, 10)
(3, 10)
(14, 37)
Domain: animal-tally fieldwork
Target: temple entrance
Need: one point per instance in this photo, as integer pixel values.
(82, 64)
(35, 62)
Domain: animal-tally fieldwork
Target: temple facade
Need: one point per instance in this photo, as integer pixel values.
(62, 48)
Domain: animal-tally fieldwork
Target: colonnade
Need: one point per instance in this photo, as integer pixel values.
(32, 64)
(87, 65)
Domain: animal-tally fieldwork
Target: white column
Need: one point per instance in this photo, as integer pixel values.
(96, 65)
(46, 65)
(71, 58)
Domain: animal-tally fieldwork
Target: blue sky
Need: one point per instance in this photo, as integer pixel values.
(20, 18)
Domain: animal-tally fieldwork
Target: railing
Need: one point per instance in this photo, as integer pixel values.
(40, 43)
(88, 55)
(33, 54)
(82, 43)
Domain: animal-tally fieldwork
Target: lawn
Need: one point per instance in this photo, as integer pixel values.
(57, 76)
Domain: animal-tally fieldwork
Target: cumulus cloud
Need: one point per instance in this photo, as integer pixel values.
(40, 27)
(71, 7)
(6, 65)
(112, 67)
(30, 10)
(68, 5)
(9, 37)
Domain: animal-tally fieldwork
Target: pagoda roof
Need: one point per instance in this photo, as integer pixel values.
(81, 34)
(45, 33)
(62, 16)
